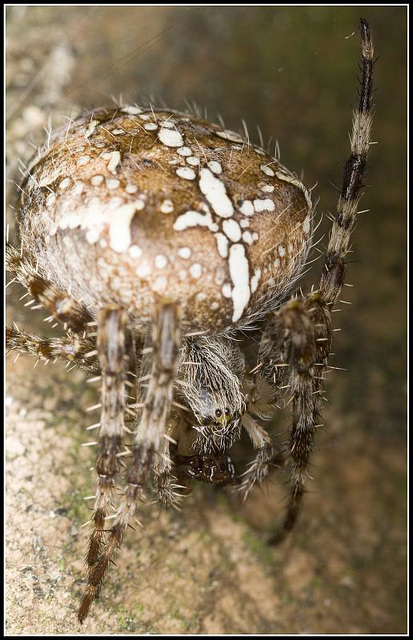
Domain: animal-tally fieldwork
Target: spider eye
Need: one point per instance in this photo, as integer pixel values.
(218, 413)
(227, 412)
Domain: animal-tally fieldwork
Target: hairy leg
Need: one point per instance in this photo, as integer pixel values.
(257, 470)
(296, 327)
(62, 306)
(306, 323)
(112, 357)
(165, 345)
(307, 342)
(165, 481)
(73, 348)
(333, 272)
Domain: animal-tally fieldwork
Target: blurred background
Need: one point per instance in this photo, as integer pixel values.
(293, 72)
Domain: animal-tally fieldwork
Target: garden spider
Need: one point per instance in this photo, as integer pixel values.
(159, 240)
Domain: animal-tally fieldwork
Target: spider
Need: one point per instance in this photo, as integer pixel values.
(161, 242)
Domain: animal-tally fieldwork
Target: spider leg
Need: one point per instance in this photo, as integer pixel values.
(309, 336)
(165, 344)
(73, 348)
(333, 272)
(307, 323)
(112, 357)
(64, 307)
(257, 470)
(79, 349)
(133, 355)
(166, 483)
(295, 323)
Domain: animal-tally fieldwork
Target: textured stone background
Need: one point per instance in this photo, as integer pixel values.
(207, 569)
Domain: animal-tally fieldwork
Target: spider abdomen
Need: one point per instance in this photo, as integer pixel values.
(128, 204)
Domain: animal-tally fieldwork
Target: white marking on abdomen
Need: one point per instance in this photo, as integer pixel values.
(264, 205)
(170, 137)
(215, 192)
(194, 219)
(222, 244)
(119, 230)
(239, 271)
(232, 230)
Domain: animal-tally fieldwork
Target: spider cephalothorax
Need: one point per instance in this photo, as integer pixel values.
(175, 237)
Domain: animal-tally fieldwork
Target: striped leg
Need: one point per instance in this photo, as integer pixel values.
(258, 469)
(165, 481)
(333, 273)
(62, 305)
(307, 323)
(165, 344)
(80, 350)
(307, 333)
(111, 348)
(300, 341)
